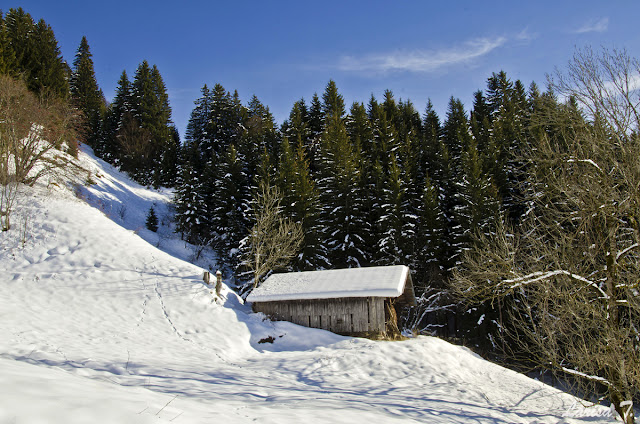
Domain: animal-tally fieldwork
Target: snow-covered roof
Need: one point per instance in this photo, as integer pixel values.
(379, 281)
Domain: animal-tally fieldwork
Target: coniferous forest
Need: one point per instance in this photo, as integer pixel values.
(517, 214)
(377, 182)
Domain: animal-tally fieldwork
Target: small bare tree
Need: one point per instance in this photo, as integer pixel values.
(31, 130)
(570, 271)
(274, 239)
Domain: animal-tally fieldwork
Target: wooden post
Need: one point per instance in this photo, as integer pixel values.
(206, 278)
(218, 282)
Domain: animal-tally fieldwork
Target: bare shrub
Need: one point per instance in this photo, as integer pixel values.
(569, 273)
(32, 131)
(274, 239)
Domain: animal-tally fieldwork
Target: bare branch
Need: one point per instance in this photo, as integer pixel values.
(623, 252)
(539, 276)
(588, 377)
(274, 240)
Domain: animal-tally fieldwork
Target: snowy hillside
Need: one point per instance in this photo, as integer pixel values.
(103, 321)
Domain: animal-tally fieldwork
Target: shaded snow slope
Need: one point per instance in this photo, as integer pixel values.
(98, 324)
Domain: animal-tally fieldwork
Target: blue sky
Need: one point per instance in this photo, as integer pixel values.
(282, 51)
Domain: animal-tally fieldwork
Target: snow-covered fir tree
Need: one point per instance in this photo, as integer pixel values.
(86, 95)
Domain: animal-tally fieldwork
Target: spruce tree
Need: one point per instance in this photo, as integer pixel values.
(225, 150)
(478, 202)
(301, 204)
(509, 107)
(384, 131)
(143, 150)
(196, 134)
(226, 174)
(332, 102)
(455, 140)
(342, 212)
(265, 175)
(302, 124)
(391, 114)
(428, 266)
(34, 54)
(50, 73)
(372, 198)
(481, 121)
(165, 134)
(231, 206)
(85, 93)
(259, 134)
(307, 211)
(455, 130)
(411, 160)
(152, 220)
(170, 159)
(222, 125)
(286, 176)
(192, 212)
(315, 122)
(19, 27)
(297, 125)
(534, 97)
(393, 209)
(109, 148)
(360, 131)
(135, 134)
(431, 132)
(409, 117)
(369, 191)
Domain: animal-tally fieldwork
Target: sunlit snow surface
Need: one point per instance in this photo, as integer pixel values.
(377, 281)
(103, 321)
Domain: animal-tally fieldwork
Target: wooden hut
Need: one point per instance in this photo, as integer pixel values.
(355, 301)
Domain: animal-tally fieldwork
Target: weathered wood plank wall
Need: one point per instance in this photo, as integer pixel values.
(349, 316)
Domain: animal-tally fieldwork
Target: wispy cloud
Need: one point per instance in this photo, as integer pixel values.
(599, 25)
(421, 60)
(526, 35)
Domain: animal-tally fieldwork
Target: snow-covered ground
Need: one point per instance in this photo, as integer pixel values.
(104, 321)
